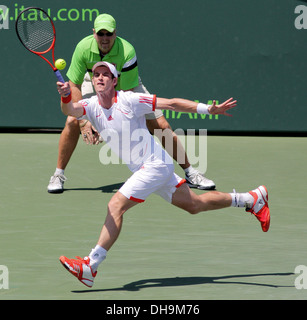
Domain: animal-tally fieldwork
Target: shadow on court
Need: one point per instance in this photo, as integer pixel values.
(190, 281)
(111, 188)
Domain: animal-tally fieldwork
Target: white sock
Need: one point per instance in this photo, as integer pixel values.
(58, 171)
(241, 199)
(97, 255)
(189, 170)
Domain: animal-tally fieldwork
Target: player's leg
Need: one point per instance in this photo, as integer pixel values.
(255, 202)
(85, 269)
(67, 144)
(117, 206)
(136, 189)
(68, 141)
(188, 200)
(169, 140)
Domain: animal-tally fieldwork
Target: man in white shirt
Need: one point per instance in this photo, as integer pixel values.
(120, 117)
(104, 45)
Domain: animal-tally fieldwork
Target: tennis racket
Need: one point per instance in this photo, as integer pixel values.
(36, 32)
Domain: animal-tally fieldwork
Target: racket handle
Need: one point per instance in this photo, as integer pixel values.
(59, 76)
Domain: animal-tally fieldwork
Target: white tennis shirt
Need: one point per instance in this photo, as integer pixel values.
(123, 128)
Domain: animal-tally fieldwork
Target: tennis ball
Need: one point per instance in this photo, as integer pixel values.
(60, 64)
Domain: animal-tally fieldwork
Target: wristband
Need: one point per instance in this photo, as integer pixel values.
(66, 99)
(203, 108)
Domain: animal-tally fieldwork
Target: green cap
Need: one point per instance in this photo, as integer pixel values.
(104, 21)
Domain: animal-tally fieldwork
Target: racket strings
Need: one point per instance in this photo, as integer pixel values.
(35, 31)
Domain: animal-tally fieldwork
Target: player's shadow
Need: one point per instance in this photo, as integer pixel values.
(110, 188)
(190, 281)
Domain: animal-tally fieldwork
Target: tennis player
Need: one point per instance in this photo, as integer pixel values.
(121, 114)
(105, 45)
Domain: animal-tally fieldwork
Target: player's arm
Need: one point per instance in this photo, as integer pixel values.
(76, 94)
(183, 105)
(67, 106)
(89, 134)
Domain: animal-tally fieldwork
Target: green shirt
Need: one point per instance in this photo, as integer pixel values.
(122, 55)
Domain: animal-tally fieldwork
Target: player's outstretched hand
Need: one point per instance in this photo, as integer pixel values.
(90, 135)
(223, 107)
(63, 88)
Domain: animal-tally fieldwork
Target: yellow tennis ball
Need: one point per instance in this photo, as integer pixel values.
(60, 64)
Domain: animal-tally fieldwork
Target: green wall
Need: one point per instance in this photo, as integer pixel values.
(199, 50)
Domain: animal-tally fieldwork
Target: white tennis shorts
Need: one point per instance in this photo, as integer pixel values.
(88, 91)
(159, 179)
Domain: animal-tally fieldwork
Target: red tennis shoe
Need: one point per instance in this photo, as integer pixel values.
(260, 207)
(80, 268)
